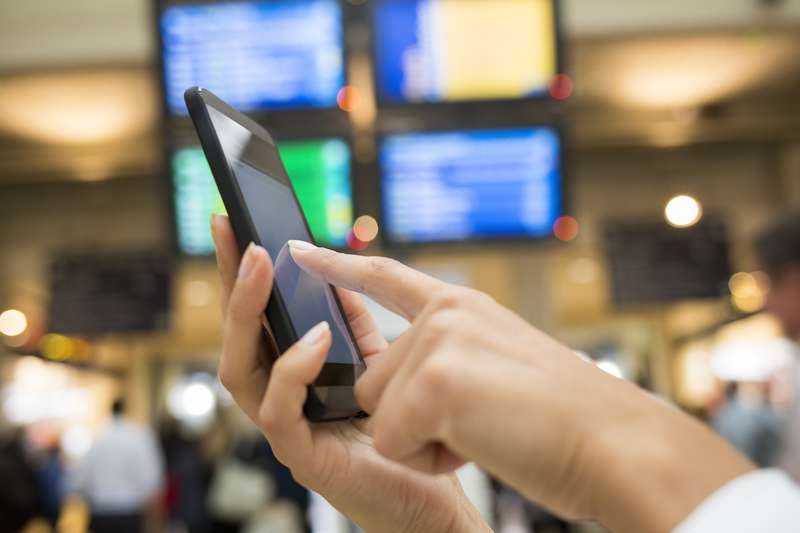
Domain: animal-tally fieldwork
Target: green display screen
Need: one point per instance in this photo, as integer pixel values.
(320, 174)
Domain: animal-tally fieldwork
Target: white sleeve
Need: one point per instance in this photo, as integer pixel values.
(764, 500)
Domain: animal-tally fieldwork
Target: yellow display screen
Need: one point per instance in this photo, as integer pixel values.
(456, 50)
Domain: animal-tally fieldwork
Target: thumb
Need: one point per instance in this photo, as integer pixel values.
(297, 368)
(303, 361)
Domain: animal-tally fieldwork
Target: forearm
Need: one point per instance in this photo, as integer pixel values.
(673, 466)
(617, 455)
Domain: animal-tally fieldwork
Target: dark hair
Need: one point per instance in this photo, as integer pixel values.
(118, 407)
(777, 246)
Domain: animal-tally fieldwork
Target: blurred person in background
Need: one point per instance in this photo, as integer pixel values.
(778, 251)
(121, 475)
(187, 479)
(52, 483)
(19, 497)
(747, 422)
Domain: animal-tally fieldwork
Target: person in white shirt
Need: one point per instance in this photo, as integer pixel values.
(472, 381)
(120, 475)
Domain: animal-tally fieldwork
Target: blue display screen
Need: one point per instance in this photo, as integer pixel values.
(480, 184)
(255, 55)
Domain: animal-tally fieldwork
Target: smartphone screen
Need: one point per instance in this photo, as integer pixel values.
(276, 218)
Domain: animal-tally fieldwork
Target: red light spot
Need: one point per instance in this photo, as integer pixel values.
(565, 228)
(561, 87)
(348, 98)
(354, 243)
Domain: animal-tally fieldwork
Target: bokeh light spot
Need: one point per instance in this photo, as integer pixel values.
(561, 87)
(683, 211)
(566, 228)
(348, 98)
(56, 347)
(748, 291)
(582, 271)
(13, 322)
(365, 228)
(198, 293)
(354, 243)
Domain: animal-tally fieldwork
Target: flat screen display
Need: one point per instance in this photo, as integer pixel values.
(471, 185)
(456, 50)
(255, 55)
(320, 174)
(652, 262)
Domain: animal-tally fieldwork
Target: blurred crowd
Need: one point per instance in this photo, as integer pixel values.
(134, 479)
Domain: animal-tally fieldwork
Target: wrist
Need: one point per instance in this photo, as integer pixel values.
(447, 510)
(464, 517)
(655, 465)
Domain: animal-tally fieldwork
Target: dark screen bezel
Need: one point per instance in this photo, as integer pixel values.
(198, 102)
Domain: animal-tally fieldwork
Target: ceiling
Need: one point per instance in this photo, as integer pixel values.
(646, 73)
(49, 33)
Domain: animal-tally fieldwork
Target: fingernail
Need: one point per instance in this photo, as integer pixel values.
(248, 261)
(216, 218)
(315, 334)
(301, 245)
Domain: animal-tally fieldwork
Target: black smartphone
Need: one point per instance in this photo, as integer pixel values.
(263, 208)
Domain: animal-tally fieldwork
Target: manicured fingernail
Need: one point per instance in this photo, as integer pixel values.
(248, 261)
(301, 245)
(315, 334)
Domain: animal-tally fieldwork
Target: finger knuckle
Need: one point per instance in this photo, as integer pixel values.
(380, 266)
(301, 475)
(441, 325)
(448, 298)
(435, 379)
(237, 310)
(479, 298)
(282, 367)
(364, 394)
(378, 270)
(384, 438)
(228, 379)
(268, 418)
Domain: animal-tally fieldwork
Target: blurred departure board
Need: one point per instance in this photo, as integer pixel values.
(255, 55)
(652, 262)
(195, 198)
(320, 174)
(470, 185)
(456, 50)
(119, 292)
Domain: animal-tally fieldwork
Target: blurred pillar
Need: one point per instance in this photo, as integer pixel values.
(531, 289)
(137, 387)
(789, 167)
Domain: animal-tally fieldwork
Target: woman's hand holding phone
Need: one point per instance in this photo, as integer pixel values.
(337, 460)
(470, 379)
